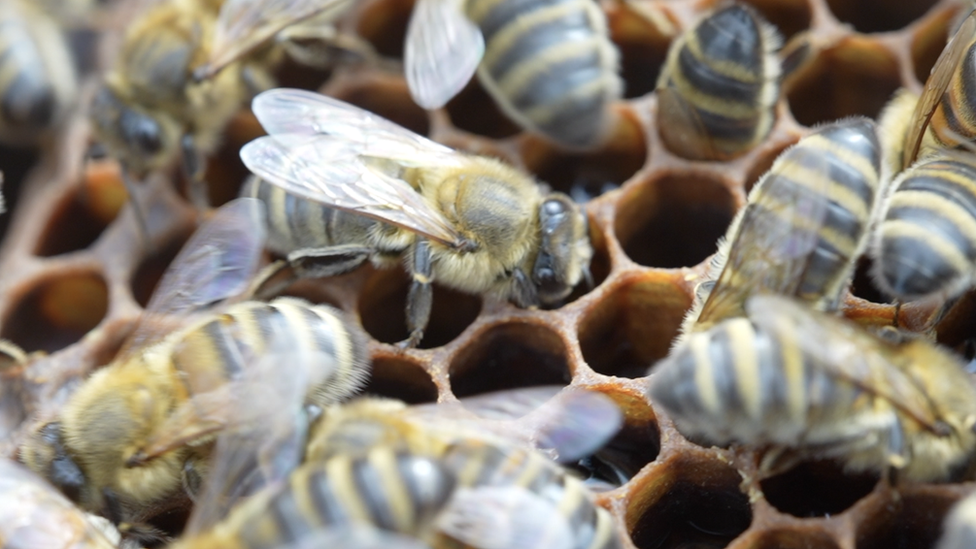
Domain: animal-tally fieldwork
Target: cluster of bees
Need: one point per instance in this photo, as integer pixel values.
(763, 359)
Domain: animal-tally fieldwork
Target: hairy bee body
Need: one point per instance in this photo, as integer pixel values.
(791, 378)
(804, 225)
(114, 417)
(392, 491)
(37, 75)
(550, 66)
(926, 240)
(719, 87)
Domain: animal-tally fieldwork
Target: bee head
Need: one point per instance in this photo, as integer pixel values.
(45, 454)
(564, 249)
(139, 140)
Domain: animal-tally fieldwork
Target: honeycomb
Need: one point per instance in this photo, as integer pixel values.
(77, 272)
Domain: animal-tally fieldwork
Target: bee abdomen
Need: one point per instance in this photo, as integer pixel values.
(927, 238)
(550, 65)
(955, 117)
(726, 73)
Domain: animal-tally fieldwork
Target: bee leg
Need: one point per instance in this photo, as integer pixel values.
(307, 263)
(131, 188)
(524, 292)
(193, 166)
(145, 535)
(421, 294)
(322, 46)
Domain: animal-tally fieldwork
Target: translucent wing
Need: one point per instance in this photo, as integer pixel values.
(847, 351)
(245, 25)
(442, 51)
(215, 264)
(355, 536)
(328, 171)
(686, 133)
(776, 236)
(289, 111)
(936, 86)
(503, 517)
(566, 424)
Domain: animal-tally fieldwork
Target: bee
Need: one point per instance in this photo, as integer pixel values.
(551, 67)
(959, 527)
(136, 428)
(38, 82)
(925, 243)
(807, 384)
(34, 514)
(718, 91)
(805, 223)
(469, 222)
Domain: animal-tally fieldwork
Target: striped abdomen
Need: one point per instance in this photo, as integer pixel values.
(397, 492)
(478, 463)
(208, 354)
(295, 223)
(719, 87)
(954, 118)
(550, 65)
(927, 237)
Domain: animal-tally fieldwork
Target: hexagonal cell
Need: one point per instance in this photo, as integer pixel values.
(879, 15)
(389, 98)
(794, 538)
(401, 379)
(57, 312)
(509, 356)
(633, 325)
(928, 42)
(788, 16)
(152, 268)
(957, 329)
(474, 111)
(590, 174)
(862, 284)
(15, 165)
(383, 23)
(817, 489)
(856, 76)
(636, 444)
(225, 172)
(693, 503)
(382, 304)
(674, 220)
(642, 33)
(908, 521)
(79, 219)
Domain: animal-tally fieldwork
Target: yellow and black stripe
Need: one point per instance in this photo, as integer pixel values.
(719, 87)
(550, 65)
(926, 240)
(218, 349)
(954, 118)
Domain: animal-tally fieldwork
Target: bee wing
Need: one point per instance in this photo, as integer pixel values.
(844, 349)
(501, 517)
(354, 536)
(566, 424)
(442, 51)
(215, 264)
(935, 87)
(683, 122)
(245, 25)
(776, 235)
(329, 171)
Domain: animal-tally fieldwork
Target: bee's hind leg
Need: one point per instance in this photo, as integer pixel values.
(421, 295)
(307, 263)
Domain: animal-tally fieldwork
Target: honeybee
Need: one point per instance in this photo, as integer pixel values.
(471, 223)
(805, 223)
(718, 90)
(959, 527)
(38, 82)
(136, 428)
(807, 384)
(551, 67)
(33, 514)
(925, 243)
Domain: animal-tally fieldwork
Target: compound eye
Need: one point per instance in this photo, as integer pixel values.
(143, 131)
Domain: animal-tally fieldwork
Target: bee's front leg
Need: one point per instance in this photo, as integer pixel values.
(193, 170)
(420, 297)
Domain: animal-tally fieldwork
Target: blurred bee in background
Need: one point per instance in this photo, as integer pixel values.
(718, 91)
(804, 225)
(551, 67)
(925, 244)
(38, 82)
(959, 527)
(138, 430)
(469, 222)
(806, 384)
(184, 69)
(33, 514)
